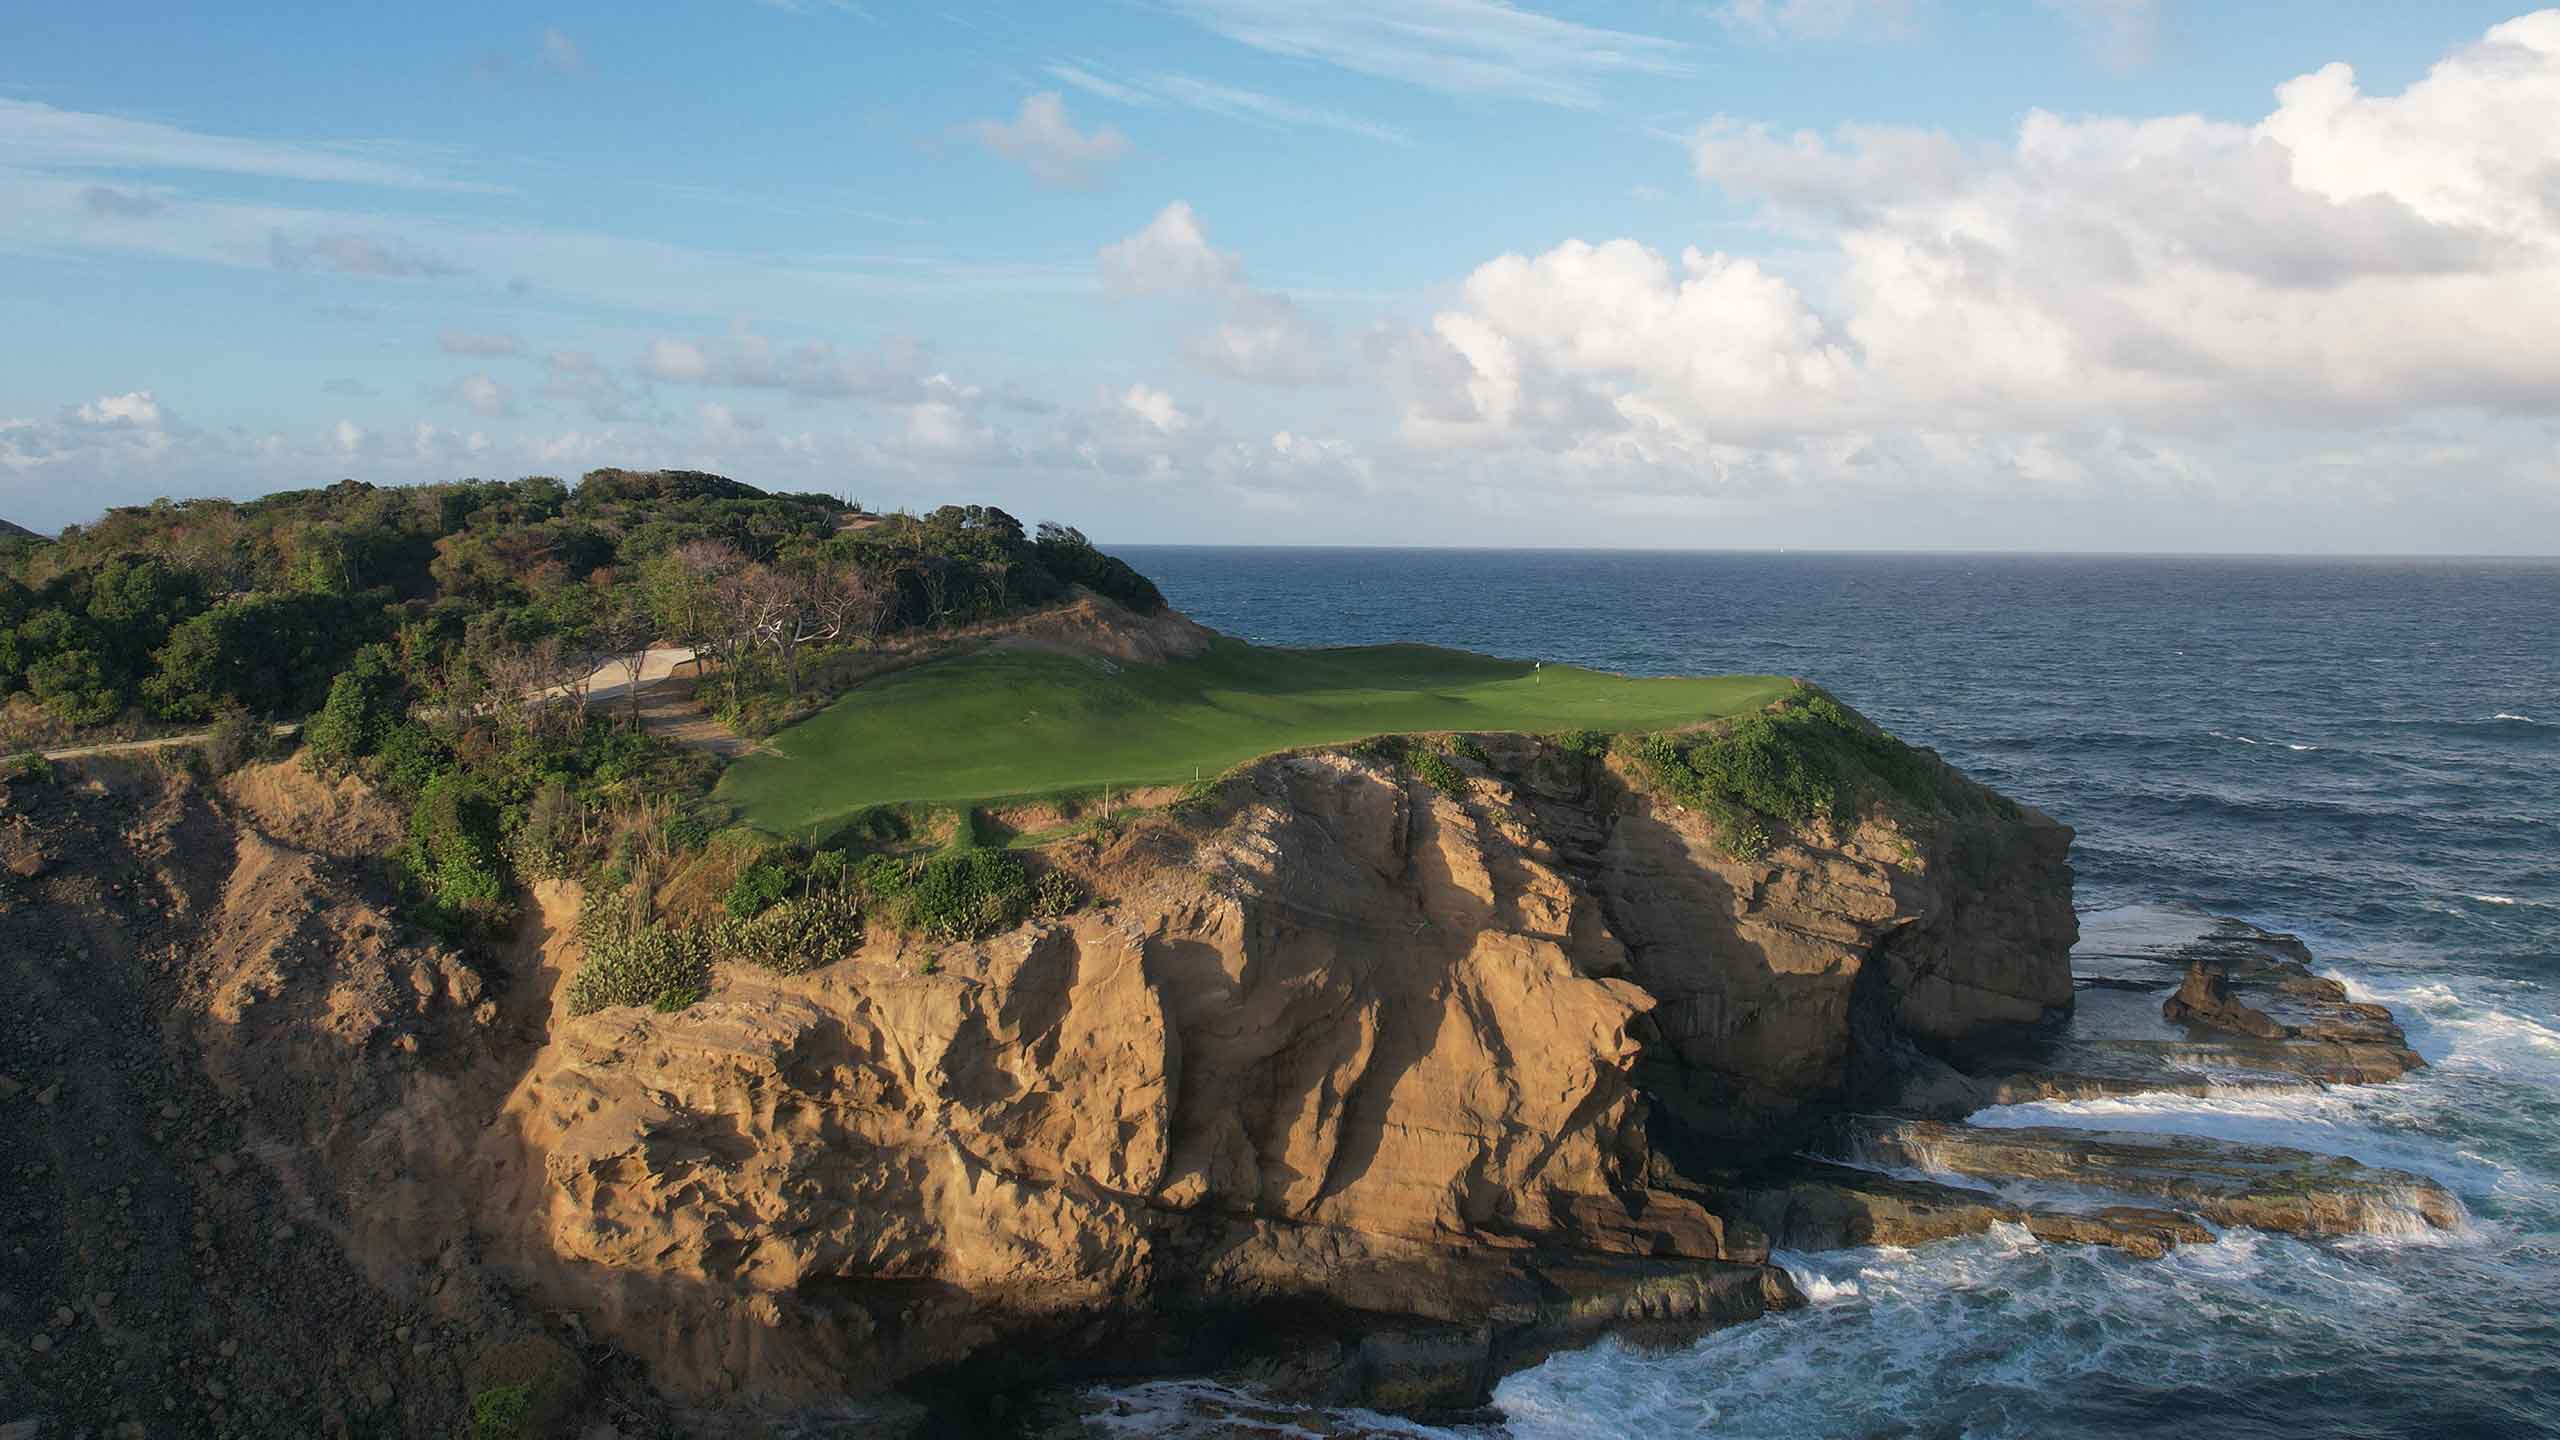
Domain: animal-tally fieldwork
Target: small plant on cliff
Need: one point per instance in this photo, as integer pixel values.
(1435, 770)
(1467, 747)
(501, 1412)
(1056, 895)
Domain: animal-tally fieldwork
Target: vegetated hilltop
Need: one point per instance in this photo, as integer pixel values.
(176, 611)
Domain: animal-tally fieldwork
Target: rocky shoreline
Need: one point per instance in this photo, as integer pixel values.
(1352, 1092)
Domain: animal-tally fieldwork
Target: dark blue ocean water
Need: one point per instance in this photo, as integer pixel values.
(2365, 752)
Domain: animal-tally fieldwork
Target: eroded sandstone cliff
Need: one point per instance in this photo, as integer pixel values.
(1433, 1074)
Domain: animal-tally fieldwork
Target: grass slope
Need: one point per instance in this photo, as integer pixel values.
(1021, 723)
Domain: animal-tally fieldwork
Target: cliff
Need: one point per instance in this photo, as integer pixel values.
(1432, 1076)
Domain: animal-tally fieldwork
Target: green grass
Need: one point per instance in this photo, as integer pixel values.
(1025, 723)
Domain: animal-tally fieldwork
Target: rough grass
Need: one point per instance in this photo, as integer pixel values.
(1023, 723)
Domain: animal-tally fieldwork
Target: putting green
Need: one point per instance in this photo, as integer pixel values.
(1019, 723)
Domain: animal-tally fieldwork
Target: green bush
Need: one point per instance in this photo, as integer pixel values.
(1194, 800)
(501, 1412)
(955, 895)
(653, 965)
(1467, 747)
(1589, 744)
(29, 766)
(758, 887)
(454, 846)
(1805, 761)
(793, 937)
(1056, 895)
(1436, 771)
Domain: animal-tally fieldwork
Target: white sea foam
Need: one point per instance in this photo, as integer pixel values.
(2496, 899)
(2460, 1034)
(2514, 718)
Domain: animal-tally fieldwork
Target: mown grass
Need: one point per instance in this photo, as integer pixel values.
(1020, 723)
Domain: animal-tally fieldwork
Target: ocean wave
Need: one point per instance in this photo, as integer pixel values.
(2468, 1035)
(2253, 740)
(2516, 719)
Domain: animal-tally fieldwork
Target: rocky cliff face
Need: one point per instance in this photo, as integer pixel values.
(1435, 1075)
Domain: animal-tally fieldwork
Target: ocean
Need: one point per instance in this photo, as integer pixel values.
(2363, 752)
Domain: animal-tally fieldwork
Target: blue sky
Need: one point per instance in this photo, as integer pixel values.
(2068, 274)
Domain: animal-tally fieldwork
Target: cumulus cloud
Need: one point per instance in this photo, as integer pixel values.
(1156, 410)
(353, 254)
(1043, 140)
(1261, 337)
(484, 396)
(2351, 261)
(1171, 253)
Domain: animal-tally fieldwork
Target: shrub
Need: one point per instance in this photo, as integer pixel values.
(454, 846)
(1467, 747)
(652, 964)
(757, 888)
(28, 766)
(1589, 744)
(1436, 771)
(501, 1412)
(793, 937)
(1056, 895)
(956, 895)
(688, 830)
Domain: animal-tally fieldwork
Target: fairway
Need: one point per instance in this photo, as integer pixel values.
(1021, 722)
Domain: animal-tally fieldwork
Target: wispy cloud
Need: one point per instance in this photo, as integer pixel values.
(1816, 19)
(464, 342)
(353, 254)
(37, 136)
(1211, 97)
(1466, 47)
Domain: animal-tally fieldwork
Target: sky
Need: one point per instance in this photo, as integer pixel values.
(2110, 275)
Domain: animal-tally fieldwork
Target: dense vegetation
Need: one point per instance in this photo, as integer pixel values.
(1022, 723)
(1805, 761)
(175, 612)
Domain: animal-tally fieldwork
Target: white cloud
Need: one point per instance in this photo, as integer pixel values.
(348, 436)
(484, 396)
(2351, 262)
(1267, 340)
(1171, 253)
(39, 136)
(1472, 47)
(1156, 409)
(1261, 337)
(135, 408)
(1043, 140)
(678, 361)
